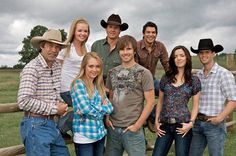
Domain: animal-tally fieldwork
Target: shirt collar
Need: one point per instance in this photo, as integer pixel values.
(143, 45)
(213, 69)
(105, 41)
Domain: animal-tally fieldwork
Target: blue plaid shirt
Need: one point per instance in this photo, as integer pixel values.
(90, 123)
(217, 87)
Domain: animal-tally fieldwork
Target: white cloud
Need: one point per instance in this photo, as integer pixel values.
(9, 60)
(179, 22)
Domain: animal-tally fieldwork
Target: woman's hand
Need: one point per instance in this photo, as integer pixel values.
(105, 102)
(159, 132)
(185, 128)
(79, 113)
(108, 122)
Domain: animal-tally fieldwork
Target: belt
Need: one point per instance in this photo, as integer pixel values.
(203, 117)
(30, 114)
(171, 120)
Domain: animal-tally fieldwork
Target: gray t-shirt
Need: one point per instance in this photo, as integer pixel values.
(128, 86)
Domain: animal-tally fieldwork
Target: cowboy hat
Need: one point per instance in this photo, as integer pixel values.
(207, 44)
(114, 20)
(51, 35)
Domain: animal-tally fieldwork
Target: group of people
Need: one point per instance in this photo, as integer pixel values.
(112, 91)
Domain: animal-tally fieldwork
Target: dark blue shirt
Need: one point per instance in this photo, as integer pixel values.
(175, 104)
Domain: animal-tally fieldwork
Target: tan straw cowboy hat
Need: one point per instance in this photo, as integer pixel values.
(51, 35)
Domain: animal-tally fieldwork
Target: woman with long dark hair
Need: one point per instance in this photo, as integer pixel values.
(173, 118)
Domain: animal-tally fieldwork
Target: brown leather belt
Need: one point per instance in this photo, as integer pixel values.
(30, 114)
(172, 120)
(203, 117)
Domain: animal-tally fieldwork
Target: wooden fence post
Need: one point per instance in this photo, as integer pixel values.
(229, 66)
(229, 61)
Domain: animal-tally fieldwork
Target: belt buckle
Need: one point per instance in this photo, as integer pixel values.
(202, 117)
(172, 120)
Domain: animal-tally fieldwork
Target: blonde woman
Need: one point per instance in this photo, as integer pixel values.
(71, 59)
(90, 104)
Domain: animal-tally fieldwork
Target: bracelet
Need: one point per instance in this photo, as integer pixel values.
(191, 121)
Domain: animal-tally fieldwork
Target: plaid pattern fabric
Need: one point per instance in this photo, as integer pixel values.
(90, 122)
(39, 89)
(217, 87)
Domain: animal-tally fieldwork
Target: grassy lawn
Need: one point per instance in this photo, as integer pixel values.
(9, 136)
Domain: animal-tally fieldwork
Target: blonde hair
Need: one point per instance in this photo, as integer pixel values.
(70, 38)
(98, 81)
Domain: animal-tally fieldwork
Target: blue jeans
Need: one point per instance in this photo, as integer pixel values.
(41, 137)
(163, 144)
(91, 149)
(156, 87)
(118, 141)
(65, 122)
(207, 134)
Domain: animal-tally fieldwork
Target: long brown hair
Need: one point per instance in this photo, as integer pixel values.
(71, 36)
(98, 81)
(173, 70)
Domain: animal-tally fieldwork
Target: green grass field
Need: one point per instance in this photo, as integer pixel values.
(9, 122)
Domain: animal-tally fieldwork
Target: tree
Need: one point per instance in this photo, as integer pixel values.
(18, 66)
(28, 52)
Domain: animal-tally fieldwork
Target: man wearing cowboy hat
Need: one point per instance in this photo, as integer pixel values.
(39, 97)
(217, 101)
(106, 48)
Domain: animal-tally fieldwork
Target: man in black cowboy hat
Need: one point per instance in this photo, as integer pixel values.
(217, 101)
(39, 98)
(106, 48)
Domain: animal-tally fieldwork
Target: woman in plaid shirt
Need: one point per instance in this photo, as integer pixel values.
(90, 104)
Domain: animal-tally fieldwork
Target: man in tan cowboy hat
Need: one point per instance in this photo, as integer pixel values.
(39, 97)
(106, 48)
(217, 101)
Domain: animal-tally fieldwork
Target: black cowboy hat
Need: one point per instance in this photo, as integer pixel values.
(207, 44)
(114, 20)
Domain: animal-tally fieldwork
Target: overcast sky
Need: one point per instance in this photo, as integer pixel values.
(179, 21)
